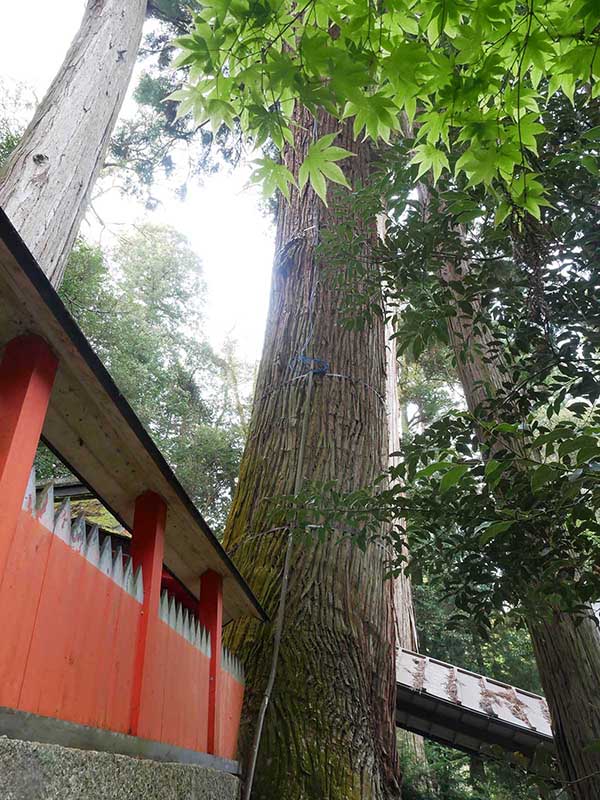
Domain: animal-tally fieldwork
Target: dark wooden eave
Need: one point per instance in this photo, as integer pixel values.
(93, 429)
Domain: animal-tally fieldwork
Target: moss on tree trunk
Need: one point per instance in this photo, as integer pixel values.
(329, 731)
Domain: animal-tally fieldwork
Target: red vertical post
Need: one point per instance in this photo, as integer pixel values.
(147, 550)
(211, 616)
(27, 373)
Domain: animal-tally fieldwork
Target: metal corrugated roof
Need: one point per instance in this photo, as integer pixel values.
(465, 710)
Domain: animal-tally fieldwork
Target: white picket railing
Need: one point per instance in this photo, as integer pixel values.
(110, 559)
(232, 665)
(73, 532)
(182, 622)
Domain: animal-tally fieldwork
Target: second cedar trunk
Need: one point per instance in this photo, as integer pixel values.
(45, 186)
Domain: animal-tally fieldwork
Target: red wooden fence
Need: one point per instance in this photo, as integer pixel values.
(70, 615)
(86, 635)
(230, 706)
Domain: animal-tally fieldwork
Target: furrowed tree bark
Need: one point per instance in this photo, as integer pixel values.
(329, 730)
(566, 646)
(45, 185)
(410, 744)
(567, 653)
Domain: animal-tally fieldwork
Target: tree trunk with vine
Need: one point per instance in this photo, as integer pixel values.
(410, 744)
(329, 729)
(45, 185)
(566, 646)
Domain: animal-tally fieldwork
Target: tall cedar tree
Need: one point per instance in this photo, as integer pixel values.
(46, 184)
(566, 646)
(565, 638)
(329, 730)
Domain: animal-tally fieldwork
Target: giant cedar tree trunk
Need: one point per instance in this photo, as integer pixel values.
(567, 648)
(45, 186)
(329, 730)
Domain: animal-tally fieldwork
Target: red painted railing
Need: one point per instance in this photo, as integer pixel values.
(230, 707)
(86, 635)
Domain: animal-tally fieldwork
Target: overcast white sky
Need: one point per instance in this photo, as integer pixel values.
(221, 218)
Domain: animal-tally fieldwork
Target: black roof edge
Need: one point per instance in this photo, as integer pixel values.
(484, 752)
(402, 688)
(48, 294)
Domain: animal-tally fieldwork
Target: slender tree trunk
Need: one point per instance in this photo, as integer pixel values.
(567, 652)
(46, 184)
(567, 648)
(477, 774)
(405, 623)
(404, 426)
(329, 730)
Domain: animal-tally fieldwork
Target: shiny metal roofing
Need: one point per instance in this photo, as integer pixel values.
(465, 710)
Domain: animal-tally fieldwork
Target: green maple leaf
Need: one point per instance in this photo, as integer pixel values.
(528, 193)
(482, 164)
(319, 166)
(525, 132)
(272, 175)
(429, 157)
(377, 114)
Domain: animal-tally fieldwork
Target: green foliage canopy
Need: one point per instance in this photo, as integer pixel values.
(501, 501)
(472, 77)
(141, 307)
(154, 143)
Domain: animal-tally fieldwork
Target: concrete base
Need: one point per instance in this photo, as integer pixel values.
(48, 730)
(35, 771)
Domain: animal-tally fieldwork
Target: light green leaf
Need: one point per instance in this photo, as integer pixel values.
(429, 157)
(431, 469)
(319, 166)
(452, 477)
(494, 530)
(272, 176)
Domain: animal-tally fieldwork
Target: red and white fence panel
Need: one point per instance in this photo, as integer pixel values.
(87, 636)
(70, 613)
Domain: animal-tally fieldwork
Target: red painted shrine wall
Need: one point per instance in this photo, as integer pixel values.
(229, 712)
(68, 629)
(68, 645)
(82, 638)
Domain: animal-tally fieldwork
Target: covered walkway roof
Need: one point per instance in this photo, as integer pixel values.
(468, 711)
(94, 431)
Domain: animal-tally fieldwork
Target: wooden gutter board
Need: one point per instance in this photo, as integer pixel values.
(92, 428)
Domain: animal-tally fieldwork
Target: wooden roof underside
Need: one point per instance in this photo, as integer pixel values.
(94, 431)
